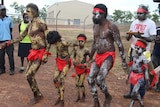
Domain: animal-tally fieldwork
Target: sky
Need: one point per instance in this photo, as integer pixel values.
(124, 5)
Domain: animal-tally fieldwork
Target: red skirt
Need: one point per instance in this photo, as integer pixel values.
(101, 57)
(36, 54)
(79, 70)
(134, 77)
(61, 63)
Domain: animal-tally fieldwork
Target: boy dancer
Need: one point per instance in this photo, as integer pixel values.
(80, 58)
(138, 74)
(63, 63)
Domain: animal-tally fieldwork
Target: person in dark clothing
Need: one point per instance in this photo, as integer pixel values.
(156, 56)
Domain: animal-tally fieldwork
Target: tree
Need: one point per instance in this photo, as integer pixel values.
(155, 17)
(128, 16)
(43, 12)
(122, 16)
(19, 9)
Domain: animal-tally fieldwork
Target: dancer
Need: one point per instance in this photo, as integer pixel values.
(63, 63)
(105, 34)
(138, 74)
(81, 54)
(37, 31)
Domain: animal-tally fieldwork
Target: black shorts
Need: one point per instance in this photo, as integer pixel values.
(23, 49)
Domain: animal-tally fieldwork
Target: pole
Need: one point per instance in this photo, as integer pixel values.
(85, 22)
(56, 18)
(2, 2)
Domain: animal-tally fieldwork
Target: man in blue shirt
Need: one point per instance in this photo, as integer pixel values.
(6, 26)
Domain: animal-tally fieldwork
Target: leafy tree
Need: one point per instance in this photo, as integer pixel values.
(155, 17)
(122, 16)
(19, 9)
(43, 12)
(117, 16)
(128, 16)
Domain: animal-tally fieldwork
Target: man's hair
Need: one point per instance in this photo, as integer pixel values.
(143, 7)
(82, 35)
(102, 7)
(53, 37)
(34, 9)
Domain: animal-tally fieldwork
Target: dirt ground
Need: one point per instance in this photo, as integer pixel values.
(15, 91)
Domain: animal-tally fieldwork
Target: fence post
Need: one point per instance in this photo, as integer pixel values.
(85, 22)
(56, 18)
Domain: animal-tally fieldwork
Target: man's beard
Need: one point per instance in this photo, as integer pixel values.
(96, 21)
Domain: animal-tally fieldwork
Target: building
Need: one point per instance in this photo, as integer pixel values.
(72, 12)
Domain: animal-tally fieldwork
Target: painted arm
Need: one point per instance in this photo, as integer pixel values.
(117, 39)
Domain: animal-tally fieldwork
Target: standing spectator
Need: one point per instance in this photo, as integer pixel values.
(81, 54)
(37, 31)
(106, 33)
(25, 44)
(146, 26)
(6, 26)
(156, 56)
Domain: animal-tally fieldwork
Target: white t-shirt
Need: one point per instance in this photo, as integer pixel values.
(148, 27)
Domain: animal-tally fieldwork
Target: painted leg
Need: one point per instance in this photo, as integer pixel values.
(132, 103)
(83, 93)
(78, 93)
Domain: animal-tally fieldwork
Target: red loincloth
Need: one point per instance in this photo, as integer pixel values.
(101, 57)
(134, 77)
(79, 70)
(61, 63)
(36, 54)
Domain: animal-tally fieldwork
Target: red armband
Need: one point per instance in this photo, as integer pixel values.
(8, 43)
(130, 63)
(155, 78)
(144, 66)
(47, 53)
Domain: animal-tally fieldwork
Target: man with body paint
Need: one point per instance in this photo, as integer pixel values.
(105, 34)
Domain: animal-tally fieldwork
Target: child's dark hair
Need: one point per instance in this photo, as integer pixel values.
(53, 37)
(82, 35)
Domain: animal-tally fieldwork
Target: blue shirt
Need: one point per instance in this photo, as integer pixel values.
(5, 25)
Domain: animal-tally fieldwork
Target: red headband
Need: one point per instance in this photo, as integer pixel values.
(81, 38)
(142, 10)
(98, 10)
(140, 44)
